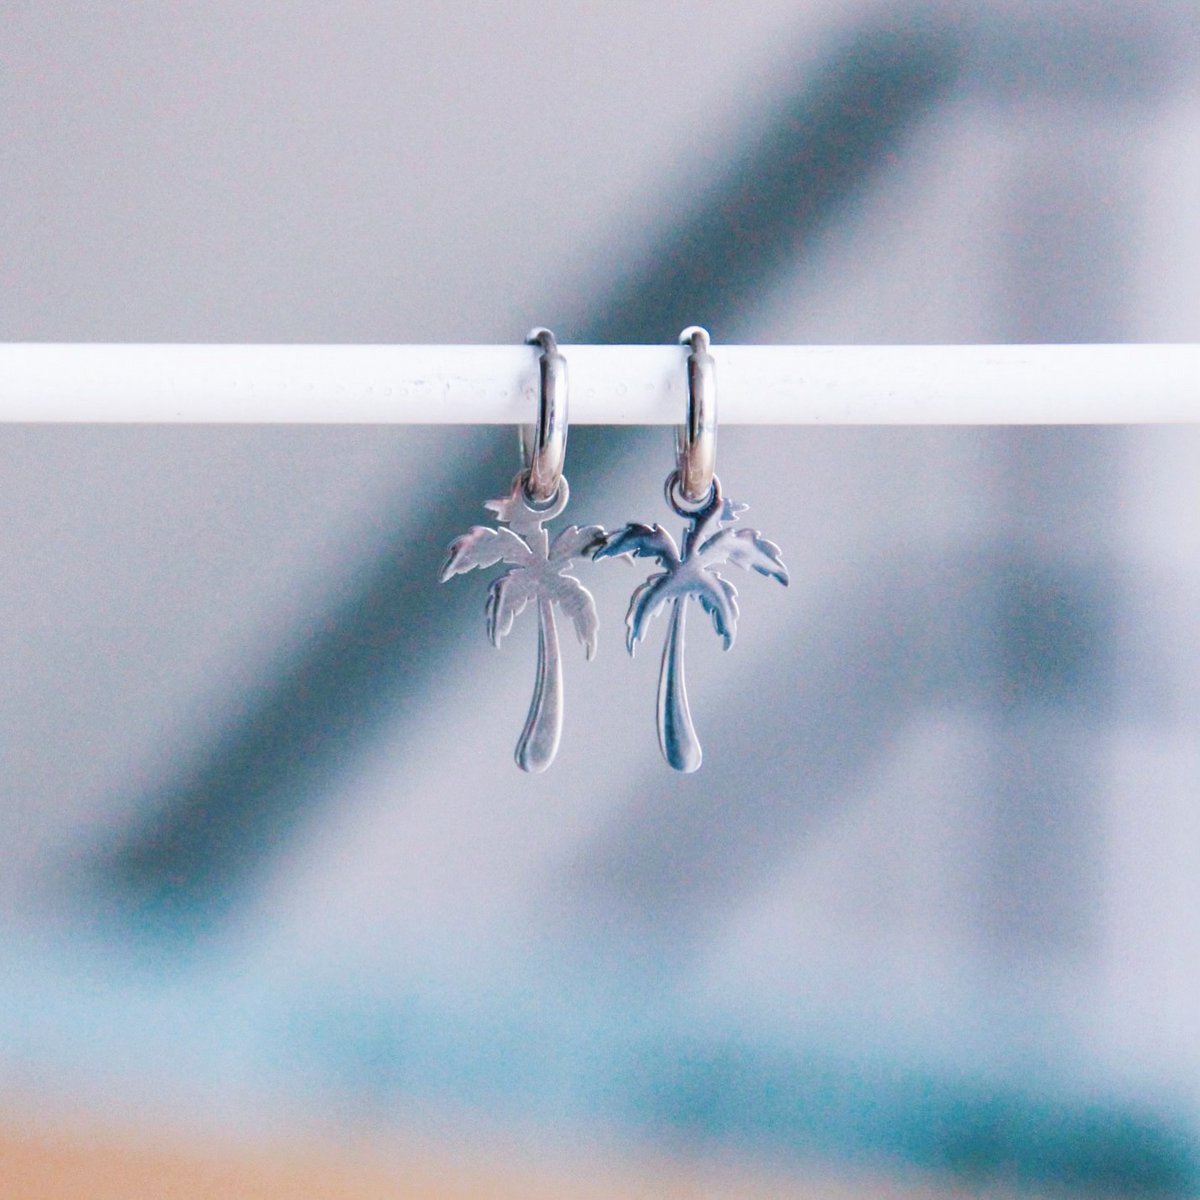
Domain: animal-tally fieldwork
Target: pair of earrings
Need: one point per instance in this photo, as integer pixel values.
(538, 567)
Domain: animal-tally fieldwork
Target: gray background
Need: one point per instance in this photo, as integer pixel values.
(262, 848)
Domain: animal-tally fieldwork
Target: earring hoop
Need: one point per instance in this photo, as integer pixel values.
(696, 440)
(544, 445)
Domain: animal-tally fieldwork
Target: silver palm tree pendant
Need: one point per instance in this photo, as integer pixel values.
(536, 574)
(708, 542)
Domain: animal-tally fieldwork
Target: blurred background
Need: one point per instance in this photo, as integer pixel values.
(278, 912)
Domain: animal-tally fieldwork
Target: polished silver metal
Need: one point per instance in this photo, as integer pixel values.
(544, 446)
(536, 574)
(708, 542)
(696, 439)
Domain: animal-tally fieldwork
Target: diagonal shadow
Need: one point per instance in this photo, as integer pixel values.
(818, 150)
(208, 828)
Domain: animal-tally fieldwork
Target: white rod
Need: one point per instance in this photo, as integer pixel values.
(609, 385)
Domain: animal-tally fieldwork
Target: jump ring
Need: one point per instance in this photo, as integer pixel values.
(544, 446)
(696, 440)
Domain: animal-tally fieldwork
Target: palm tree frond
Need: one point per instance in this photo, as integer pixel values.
(576, 541)
(507, 599)
(646, 603)
(724, 513)
(745, 548)
(576, 601)
(641, 541)
(481, 546)
(506, 508)
(719, 599)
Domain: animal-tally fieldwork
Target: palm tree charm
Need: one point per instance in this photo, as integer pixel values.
(536, 573)
(707, 544)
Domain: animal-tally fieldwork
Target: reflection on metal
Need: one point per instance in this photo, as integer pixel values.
(696, 438)
(707, 544)
(537, 572)
(544, 445)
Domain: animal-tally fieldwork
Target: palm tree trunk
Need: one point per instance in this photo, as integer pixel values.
(543, 727)
(676, 734)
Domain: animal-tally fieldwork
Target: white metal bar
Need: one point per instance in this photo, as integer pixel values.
(619, 385)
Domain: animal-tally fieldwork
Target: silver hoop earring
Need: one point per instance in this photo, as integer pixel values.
(693, 491)
(537, 566)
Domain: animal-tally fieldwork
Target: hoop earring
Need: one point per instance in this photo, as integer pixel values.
(693, 491)
(536, 566)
